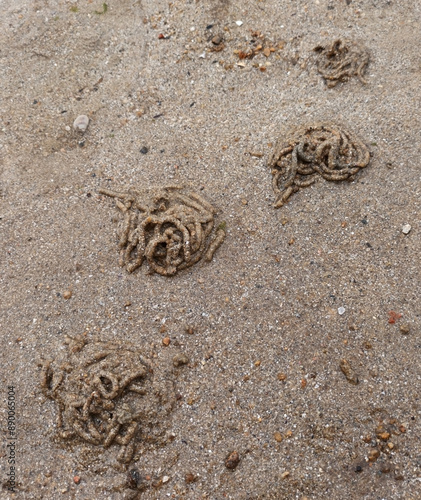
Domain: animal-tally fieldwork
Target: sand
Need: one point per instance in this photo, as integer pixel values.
(297, 305)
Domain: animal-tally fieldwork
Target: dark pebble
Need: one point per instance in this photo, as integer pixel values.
(133, 478)
(190, 478)
(217, 39)
(144, 150)
(135, 481)
(232, 460)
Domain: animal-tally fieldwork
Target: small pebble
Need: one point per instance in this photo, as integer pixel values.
(190, 478)
(67, 294)
(341, 310)
(165, 479)
(180, 359)
(373, 455)
(232, 460)
(284, 475)
(406, 228)
(166, 341)
(384, 436)
(144, 150)
(404, 329)
(282, 376)
(239, 23)
(217, 39)
(348, 372)
(382, 433)
(278, 436)
(81, 123)
(77, 479)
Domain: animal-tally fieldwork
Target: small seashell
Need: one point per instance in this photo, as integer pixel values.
(81, 123)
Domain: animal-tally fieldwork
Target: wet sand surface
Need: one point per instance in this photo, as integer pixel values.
(287, 367)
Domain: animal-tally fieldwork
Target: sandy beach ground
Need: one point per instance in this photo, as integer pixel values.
(243, 394)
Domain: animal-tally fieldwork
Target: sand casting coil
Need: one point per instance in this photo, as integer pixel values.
(312, 151)
(169, 227)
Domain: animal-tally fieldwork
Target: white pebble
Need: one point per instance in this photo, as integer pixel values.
(238, 23)
(81, 123)
(341, 310)
(406, 228)
(165, 479)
